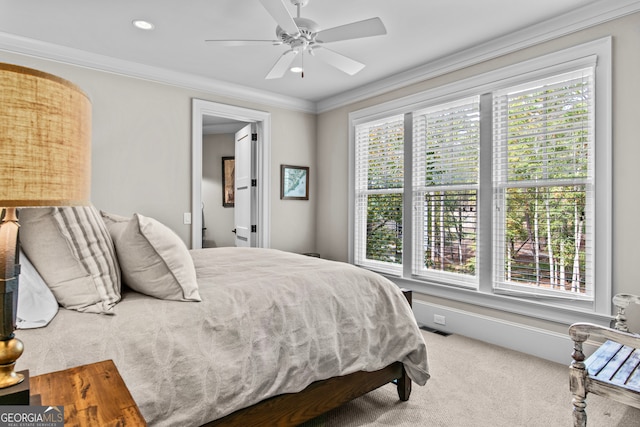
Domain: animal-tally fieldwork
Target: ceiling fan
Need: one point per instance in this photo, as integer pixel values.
(302, 35)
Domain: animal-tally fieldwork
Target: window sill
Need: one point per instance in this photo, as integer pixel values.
(538, 308)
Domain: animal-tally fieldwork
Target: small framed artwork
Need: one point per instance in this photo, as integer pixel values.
(228, 184)
(294, 182)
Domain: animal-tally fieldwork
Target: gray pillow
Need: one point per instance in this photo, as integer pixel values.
(153, 259)
(73, 252)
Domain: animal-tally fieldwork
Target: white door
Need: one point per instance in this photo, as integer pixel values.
(243, 207)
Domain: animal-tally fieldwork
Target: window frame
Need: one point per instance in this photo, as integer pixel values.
(463, 280)
(548, 308)
(502, 183)
(360, 229)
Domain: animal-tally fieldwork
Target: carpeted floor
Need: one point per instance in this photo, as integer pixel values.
(476, 384)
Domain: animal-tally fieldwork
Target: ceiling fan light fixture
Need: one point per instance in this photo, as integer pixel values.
(303, 35)
(143, 25)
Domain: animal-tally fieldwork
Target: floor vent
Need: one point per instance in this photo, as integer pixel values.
(435, 331)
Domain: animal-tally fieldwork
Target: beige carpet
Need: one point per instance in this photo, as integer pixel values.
(480, 385)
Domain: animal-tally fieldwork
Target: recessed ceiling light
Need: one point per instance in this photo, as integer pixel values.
(143, 25)
(296, 69)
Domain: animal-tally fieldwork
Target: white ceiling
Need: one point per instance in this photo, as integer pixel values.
(419, 33)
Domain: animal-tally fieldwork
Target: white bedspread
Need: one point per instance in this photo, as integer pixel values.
(270, 322)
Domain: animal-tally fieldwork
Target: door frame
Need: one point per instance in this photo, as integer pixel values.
(262, 119)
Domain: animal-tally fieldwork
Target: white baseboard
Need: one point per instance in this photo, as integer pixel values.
(526, 339)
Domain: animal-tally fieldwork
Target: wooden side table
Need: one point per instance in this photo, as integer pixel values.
(92, 395)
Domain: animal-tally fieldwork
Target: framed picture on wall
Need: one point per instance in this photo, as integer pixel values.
(294, 182)
(228, 184)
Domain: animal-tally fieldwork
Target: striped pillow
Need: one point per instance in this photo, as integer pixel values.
(73, 252)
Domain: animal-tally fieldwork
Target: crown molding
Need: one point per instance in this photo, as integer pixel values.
(561, 25)
(43, 50)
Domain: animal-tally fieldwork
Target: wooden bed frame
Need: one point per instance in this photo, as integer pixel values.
(292, 409)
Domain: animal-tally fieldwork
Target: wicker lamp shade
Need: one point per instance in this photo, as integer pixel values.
(45, 140)
(45, 160)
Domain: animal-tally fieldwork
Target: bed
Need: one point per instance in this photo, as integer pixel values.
(267, 336)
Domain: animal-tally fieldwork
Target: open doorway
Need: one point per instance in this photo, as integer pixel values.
(204, 112)
(218, 181)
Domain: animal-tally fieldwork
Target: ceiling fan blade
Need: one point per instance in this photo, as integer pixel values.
(355, 30)
(244, 42)
(278, 10)
(282, 65)
(341, 62)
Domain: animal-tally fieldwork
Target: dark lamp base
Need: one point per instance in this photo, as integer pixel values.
(16, 394)
(10, 351)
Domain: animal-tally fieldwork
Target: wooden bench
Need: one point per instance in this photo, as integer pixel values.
(613, 370)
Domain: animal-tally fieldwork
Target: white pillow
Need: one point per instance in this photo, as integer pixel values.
(153, 259)
(36, 304)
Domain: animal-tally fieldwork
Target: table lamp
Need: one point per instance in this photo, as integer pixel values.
(45, 160)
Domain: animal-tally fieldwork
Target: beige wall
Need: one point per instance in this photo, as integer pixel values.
(333, 168)
(142, 150)
(293, 222)
(333, 148)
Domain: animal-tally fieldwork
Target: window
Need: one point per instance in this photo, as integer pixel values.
(379, 188)
(495, 188)
(543, 185)
(445, 189)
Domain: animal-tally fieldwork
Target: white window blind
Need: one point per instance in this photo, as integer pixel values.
(379, 186)
(543, 186)
(445, 190)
